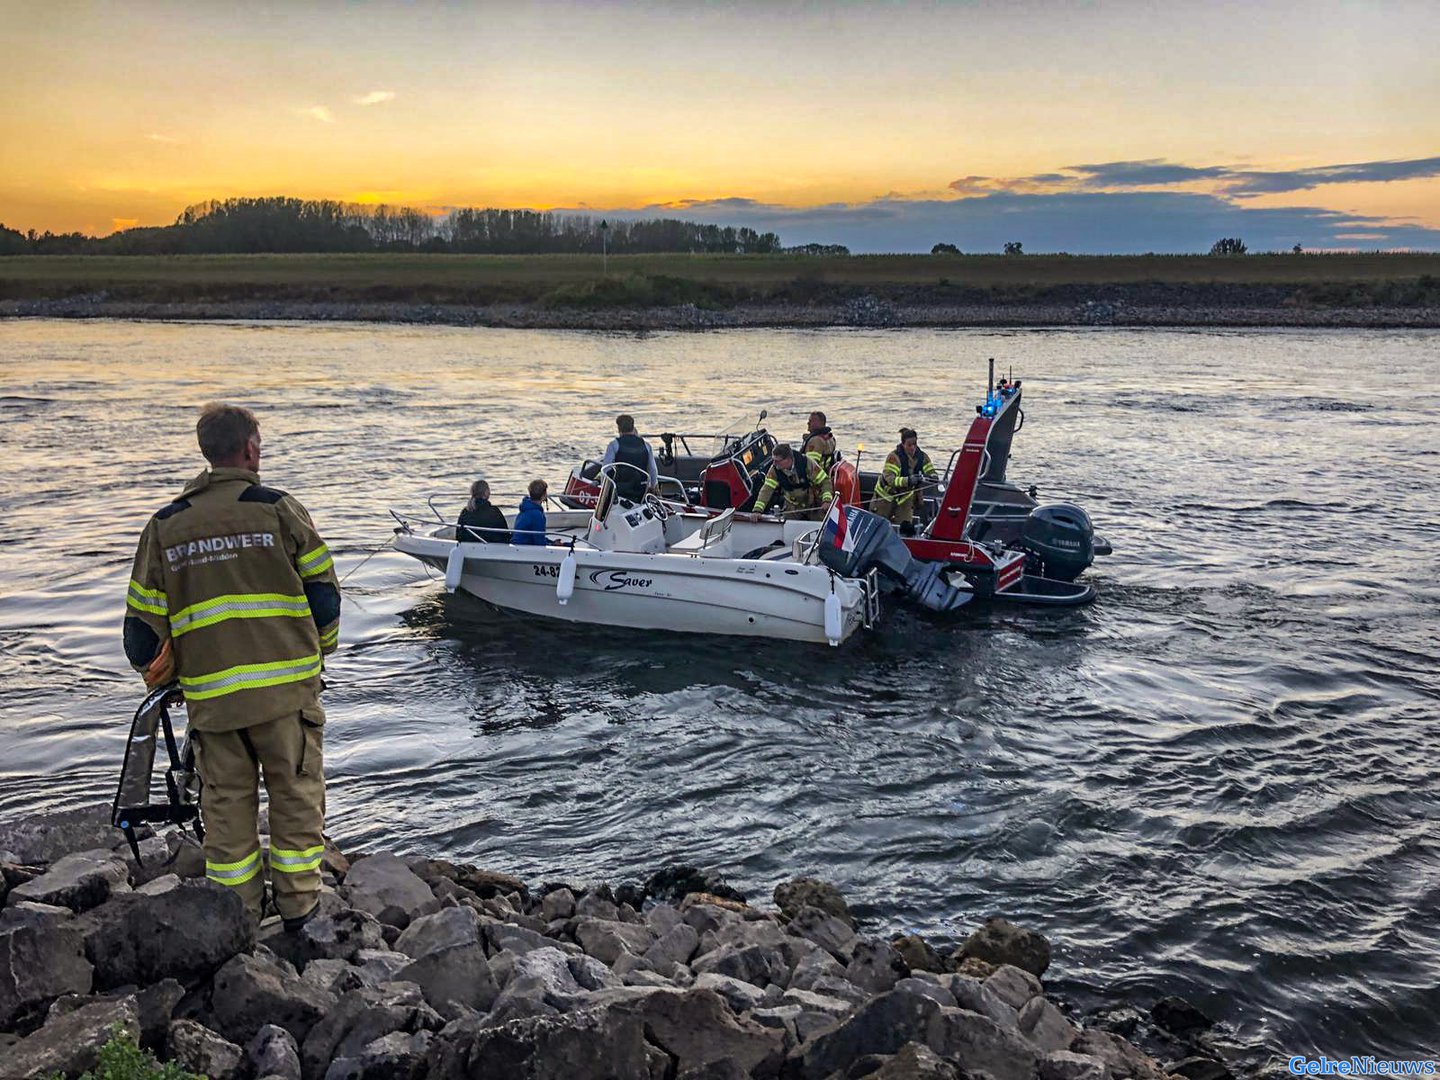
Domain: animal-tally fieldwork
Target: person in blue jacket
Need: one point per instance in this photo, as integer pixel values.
(530, 525)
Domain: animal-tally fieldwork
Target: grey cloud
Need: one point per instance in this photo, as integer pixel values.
(1243, 183)
(1077, 222)
(1149, 173)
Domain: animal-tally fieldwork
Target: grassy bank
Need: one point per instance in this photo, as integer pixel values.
(720, 281)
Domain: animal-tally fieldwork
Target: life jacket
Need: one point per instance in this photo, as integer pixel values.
(824, 446)
(803, 478)
(921, 460)
(631, 449)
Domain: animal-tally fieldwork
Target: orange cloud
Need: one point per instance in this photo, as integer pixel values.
(120, 224)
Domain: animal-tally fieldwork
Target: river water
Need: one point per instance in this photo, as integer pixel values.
(1219, 780)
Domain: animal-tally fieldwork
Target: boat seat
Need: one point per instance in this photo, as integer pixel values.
(713, 540)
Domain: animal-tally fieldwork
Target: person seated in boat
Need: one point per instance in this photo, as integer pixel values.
(906, 471)
(481, 519)
(803, 485)
(530, 525)
(819, 443)
(630, 449)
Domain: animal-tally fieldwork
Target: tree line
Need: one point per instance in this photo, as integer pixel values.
(281, 224)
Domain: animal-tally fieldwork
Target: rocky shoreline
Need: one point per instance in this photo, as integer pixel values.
(422, 967)
(1108, 307)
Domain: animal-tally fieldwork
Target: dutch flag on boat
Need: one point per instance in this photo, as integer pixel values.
(835, 528)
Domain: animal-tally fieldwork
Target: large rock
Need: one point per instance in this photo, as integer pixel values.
(1124, 1060)
(675, 882)
(881, 1026)
(386, 888)
(540, 983)
(737, 993)
(591, 974)
(1046, 1026)
(970, 993)
(198, 1049)
(486, 884)
(79, 881)
(606, 940)
(397, 1056)
(1065, 1065)
(978, 1044)
(876, 966)
(251, 991)
(801, 892)
(47, 838)
(274, 1053)
(359, 1018)
(677, 945)
(457, 975)
(342, 935)
(756, 964)
(695, 1027)
(27, 913)
(445, 929)
(918, 954)
(184, 933)
(70, 1043)
(831, 933)
(155, 1005)
(916, 1061)
(37, 965)
(815, 966)
(596, 1043)
(1178, 1016)
(558, 904)
(1013, 986)
(1001, 942)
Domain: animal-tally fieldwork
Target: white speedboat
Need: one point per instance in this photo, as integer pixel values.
(647, 567)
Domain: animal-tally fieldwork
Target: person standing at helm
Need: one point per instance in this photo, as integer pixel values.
(803, 485)
(629, 449)
(234, 594)
(905, 471)
(819, 443)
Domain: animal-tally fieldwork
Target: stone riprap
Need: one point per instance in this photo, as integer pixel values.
(426, 968)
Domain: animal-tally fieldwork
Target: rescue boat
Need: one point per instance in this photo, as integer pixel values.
(975, 521)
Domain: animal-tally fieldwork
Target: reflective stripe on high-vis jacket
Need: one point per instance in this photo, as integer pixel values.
(153, 601)
(296, 862)
(238, 606)
(249, 677)
(330, 637)
(314, 562)
(235, 873)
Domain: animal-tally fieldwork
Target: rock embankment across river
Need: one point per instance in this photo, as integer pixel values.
(421, 967)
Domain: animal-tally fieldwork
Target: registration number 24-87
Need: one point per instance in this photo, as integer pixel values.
(545, 571)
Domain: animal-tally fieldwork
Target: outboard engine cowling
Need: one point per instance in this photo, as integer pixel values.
(1061, 537)
(874, 545)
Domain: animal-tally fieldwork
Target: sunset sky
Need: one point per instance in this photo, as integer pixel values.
(888, 126)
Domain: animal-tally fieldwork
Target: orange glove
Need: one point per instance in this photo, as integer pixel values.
(162, 668)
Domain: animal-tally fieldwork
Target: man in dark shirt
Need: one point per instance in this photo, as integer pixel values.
(480, 520)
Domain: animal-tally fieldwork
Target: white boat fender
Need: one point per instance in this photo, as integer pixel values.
(454, 566)
(834, 628)
(565, 587)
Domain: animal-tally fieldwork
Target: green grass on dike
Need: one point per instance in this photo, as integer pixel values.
(707, 280)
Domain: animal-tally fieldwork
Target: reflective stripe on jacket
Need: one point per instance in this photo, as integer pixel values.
(798, 486)
(899, 464)
(236, 576)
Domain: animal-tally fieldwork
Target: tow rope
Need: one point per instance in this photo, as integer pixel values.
(133, 805)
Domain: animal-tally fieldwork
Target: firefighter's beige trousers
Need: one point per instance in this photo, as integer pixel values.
(289, 754)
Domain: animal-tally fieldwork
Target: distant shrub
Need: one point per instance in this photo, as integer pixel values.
(1229, 245)
(944, 249)
(1014, 247)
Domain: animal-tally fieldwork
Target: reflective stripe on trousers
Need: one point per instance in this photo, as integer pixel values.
(234, 873)
(295, 862)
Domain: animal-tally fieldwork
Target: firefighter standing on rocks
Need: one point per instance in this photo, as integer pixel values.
(234, 593)
(897, 491)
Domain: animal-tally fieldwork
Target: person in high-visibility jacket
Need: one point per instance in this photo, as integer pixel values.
(234, 594)
(819, 442)
(803, 485)
(906, 470)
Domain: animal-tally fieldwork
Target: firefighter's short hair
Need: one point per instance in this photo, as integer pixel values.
(223, 430)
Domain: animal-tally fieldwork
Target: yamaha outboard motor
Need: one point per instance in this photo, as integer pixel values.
(1061, 537)
(873, 544)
